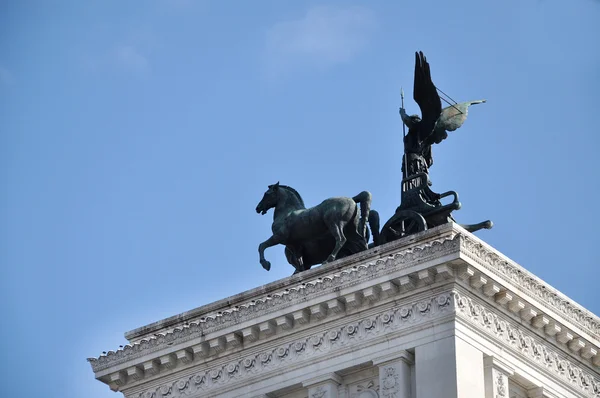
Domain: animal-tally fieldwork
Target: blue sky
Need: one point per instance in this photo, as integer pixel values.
(138, 137)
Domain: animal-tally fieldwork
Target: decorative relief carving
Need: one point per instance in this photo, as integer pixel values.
(277, 301)
(390, 383)
(307, 348)
(350, 276)
(319, 393)
(530, 284)
(500, 388)
(368, 390)
(525, 344)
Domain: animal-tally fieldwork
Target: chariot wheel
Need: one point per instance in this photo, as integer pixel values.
(403, 223)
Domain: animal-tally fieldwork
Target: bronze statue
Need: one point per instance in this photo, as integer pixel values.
(431, 128)
(421, 208)
(336, 228)
(333, 229)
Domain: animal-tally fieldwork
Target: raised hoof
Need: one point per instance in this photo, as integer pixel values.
(266, 265)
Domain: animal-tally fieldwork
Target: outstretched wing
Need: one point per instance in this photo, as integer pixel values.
(455, 115)
(451, 118)
(425, 94)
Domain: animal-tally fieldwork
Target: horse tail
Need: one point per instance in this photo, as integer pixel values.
(364, 200)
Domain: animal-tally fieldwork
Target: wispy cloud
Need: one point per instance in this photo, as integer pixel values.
(132, 55)
(324, 37)
(131, 58)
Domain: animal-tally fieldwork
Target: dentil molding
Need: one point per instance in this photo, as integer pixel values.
(524, 343)
(529, 284)
(305, 349)
(278, 301)
(356, 333)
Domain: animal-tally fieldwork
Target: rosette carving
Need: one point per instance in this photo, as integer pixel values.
(248, 362)
(405, 312)
(265, 358)
(299, 346)
(215, 374)
(282, 352)
(199, 379)
(182, 384)
(333, 335)
(232, 368)
(386, 318)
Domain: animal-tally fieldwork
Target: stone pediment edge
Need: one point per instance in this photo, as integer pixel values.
(420, 240)
(519, 340)
(529, 284)
(471, 246)
(389, 323)
(396, 320)
(464, 242)
(303, 291)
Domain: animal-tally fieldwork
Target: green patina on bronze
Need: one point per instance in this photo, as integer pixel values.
(333, 229)
(339, 227)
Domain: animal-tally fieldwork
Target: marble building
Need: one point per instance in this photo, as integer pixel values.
(439, 314)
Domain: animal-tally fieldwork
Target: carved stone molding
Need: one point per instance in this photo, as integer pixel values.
(496, 376)
(529, 284)
(364, 390)
(320, 392)
(394, 374)
(277, 301)
(390, 382)
(525, 344)
(308, 348)
(324, 386)
(447, 244)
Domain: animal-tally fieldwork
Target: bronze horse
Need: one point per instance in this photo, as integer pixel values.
(320, 234)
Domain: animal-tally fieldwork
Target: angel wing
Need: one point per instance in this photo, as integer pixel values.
(426, 96)
(454, 116)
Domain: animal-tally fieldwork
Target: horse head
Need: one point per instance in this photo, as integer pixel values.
(269, 199)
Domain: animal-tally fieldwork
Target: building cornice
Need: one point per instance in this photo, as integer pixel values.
(525, 344)
(369, 330)
(416, 247)
(529, 284)
(391, 272)
(416, 243)
(301, 290)
(296, 353)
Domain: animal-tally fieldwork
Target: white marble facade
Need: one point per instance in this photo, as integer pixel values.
(436, 315)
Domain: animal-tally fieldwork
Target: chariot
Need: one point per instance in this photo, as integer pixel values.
(420, 209)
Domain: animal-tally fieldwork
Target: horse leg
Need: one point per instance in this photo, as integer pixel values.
(299, 266)
(294, 257)
(337, 230)
(364, 200)
(272, 241)
(300, 261)
(291, 258)
(374, 225)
